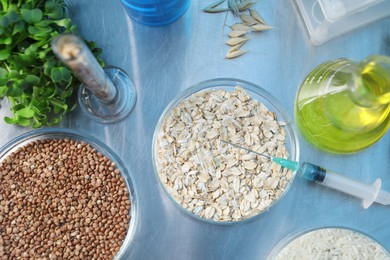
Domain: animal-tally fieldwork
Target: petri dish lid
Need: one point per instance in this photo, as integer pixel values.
(327, 19)
(334, 10)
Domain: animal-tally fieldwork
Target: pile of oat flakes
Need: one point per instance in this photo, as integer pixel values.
(210, 178)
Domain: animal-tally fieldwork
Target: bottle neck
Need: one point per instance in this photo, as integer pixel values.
(370, 82)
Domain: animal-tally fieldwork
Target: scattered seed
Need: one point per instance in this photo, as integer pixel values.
(215, 10)
(248, 20)
(261, 27)
(236, 33)
(236, 41)
(243, 5)
(213, 5)
(256, 16)
(240, 27)
(252, 22)
(235, 52)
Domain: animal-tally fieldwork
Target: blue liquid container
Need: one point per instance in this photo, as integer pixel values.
(155, 12)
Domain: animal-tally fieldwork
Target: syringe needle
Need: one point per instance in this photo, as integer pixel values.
(246, 149)
(281, 161)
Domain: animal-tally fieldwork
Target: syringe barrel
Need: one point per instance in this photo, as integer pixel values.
(338, 182)
(311, 172)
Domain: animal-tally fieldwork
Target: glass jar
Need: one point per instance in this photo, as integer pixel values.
(343, 106)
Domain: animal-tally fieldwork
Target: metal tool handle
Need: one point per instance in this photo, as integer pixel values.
(71, 50)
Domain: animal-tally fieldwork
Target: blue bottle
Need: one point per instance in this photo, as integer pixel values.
(155, 12)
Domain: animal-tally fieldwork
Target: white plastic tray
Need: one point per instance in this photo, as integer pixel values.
(327, 19)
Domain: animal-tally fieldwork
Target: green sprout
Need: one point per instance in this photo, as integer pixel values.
(37, 84)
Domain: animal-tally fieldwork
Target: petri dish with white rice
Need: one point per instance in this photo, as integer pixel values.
(329, 243)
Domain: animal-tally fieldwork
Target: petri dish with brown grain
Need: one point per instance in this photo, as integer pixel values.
(64, 195)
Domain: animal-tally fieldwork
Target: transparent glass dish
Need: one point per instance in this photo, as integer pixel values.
(59, 133)
(256, 93)
(324, 236)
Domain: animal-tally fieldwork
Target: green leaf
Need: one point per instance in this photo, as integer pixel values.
(4, 54)
(14, 92)
(54, 10)
(43, 53)
(23, 121)
(38, 123)
(3, 73)
(32, 49)
(47, 67)
(18, 64)
(66, 93)
(35, 82)
(19, 27)
(73, 29)
(3, 91)
(4, 3)
(27, 59)
(9, 120)
(3, 79)
(66, 22)
(32, 80)
(56, 121)
(26, 112)
(61, 74)
(17, 107)
(32, 16)
(9, 18)
(43, 23)
(17, 88)
(6, 40)
(58, 105)
(14, 74)
(47, 91)
(29, 4)
(13, 16)
(4, 21)
(40, 31)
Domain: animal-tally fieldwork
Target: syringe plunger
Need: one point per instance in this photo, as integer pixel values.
(369, 193)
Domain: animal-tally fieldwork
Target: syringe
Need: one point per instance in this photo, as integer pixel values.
(369, 193)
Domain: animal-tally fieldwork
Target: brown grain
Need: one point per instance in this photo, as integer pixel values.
(54, 198)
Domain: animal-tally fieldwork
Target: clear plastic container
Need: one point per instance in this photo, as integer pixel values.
(327, 19)
(256, 93)
(329, 243)
(57, 133)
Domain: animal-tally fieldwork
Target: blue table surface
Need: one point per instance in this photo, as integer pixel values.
(163, 61)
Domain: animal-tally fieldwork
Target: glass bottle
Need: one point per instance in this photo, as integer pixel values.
(343, 106)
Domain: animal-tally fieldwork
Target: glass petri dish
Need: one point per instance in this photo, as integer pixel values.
(329, 243)
(58, 133)
(229, 85)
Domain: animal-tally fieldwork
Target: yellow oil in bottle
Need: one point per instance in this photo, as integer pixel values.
(343, 107)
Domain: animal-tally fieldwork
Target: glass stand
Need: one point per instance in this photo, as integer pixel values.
(107, 95)
(114, 110)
